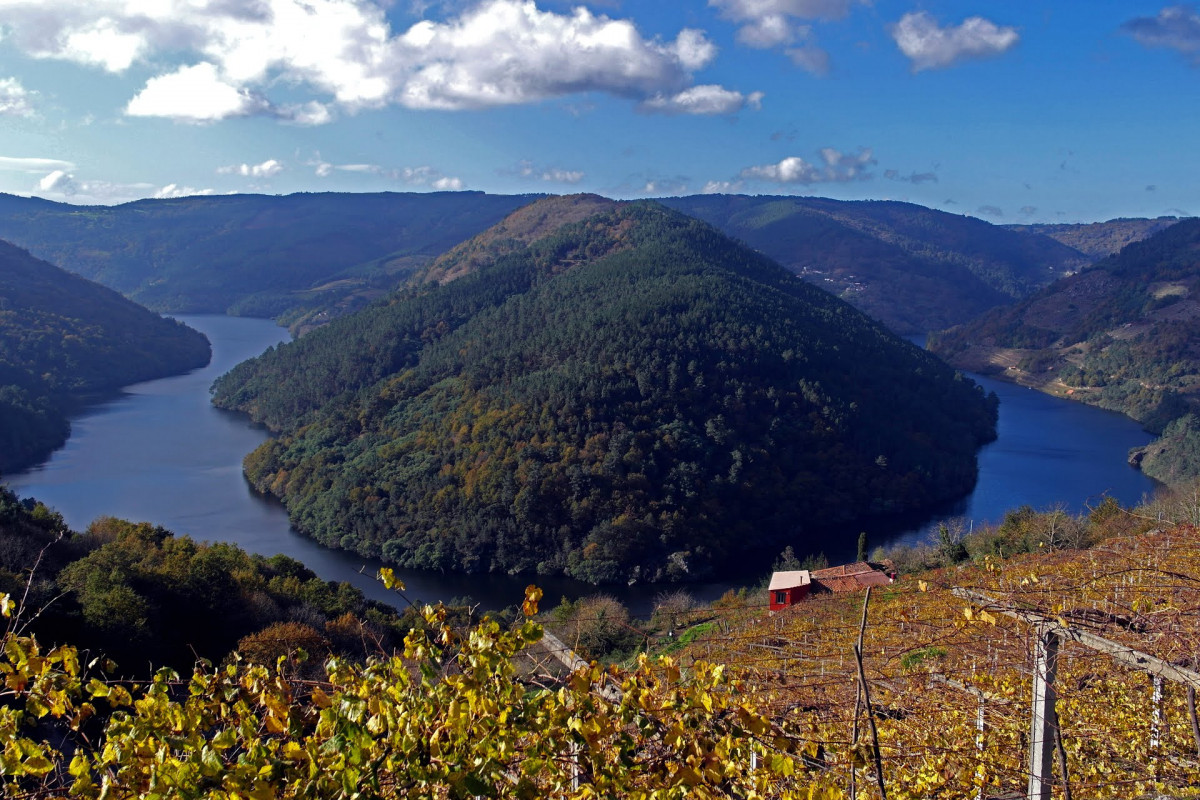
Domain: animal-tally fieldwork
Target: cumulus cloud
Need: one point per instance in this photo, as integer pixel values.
(1028, 211)
(991, 211)
(194, 94)
(833, 167)
(912, 177)
(345, 52)
(708, 99)
(505, 52)
(15, 99)
(765, 24)
(1176, 27)
(770, 23)
(59, 181)
(175, 190)
(527, 169)
(267, 169)
(929, 46)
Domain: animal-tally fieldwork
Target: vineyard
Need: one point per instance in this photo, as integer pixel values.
(908, 692)
(949, 681)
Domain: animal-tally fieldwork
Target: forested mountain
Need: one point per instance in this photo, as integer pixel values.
(1100, 239)
(61, 337)
(632, 396)
(913, 268)
(1122, 335)
(253, 255)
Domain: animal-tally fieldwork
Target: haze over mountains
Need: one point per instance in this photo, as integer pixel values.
(630, 395)
(308, 257)
(252, 255)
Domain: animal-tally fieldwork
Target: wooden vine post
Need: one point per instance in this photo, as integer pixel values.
(1044, 717)
(1044, 735)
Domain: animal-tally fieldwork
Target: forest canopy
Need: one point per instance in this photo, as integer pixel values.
(62, 337)
(632, 397)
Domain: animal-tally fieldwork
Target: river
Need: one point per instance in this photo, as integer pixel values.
(160, 452)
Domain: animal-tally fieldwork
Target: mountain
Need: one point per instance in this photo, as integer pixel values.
(631, 396)
(1100, 239)
(1124, 335)
(913, 268)
(62, 337)
(253, 255)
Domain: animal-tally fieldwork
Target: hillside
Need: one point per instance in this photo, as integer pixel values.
(915, 688)
(1100, 239)
(913, 268)
(949, 679)
(633, 396)
(253, 255)
(62, 337)
(1121, 335)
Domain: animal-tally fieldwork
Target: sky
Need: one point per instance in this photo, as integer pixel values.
(1012, 111)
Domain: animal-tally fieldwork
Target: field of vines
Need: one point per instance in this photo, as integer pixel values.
(949, 681)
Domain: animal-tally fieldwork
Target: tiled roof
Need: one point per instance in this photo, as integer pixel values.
(789, 579)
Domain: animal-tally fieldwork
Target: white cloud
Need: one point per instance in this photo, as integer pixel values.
(707, 99)
(507, 51)
(34, 165)
(194, 94)
(721, 187)
(412, 176)
(835, 167)
(526, 169)
(62, 185)
(15, 99)
(928, 46)
(267, 169)
(59, 181)
(175, 190)
(345, 53)
(775, 23)
(1176, 27)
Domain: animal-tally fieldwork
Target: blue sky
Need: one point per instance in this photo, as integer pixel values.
(1010, 111)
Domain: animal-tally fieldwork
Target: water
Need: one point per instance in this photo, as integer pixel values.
(159, 452)
(1048, 453)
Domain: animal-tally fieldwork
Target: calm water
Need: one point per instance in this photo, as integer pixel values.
(159, 452)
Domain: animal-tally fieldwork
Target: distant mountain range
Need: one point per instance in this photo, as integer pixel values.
(611, 391)
(307, 258)
(253, 255)
(1124, 334)
(1100, 239)
(62, 337)
(912, 268)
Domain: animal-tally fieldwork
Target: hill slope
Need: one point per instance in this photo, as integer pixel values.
(253, 255)
(632, 397)
(1122, 335)
(1100, 239)
(913, 268)
(62, 336)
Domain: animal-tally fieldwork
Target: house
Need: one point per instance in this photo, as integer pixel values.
(790, 587)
